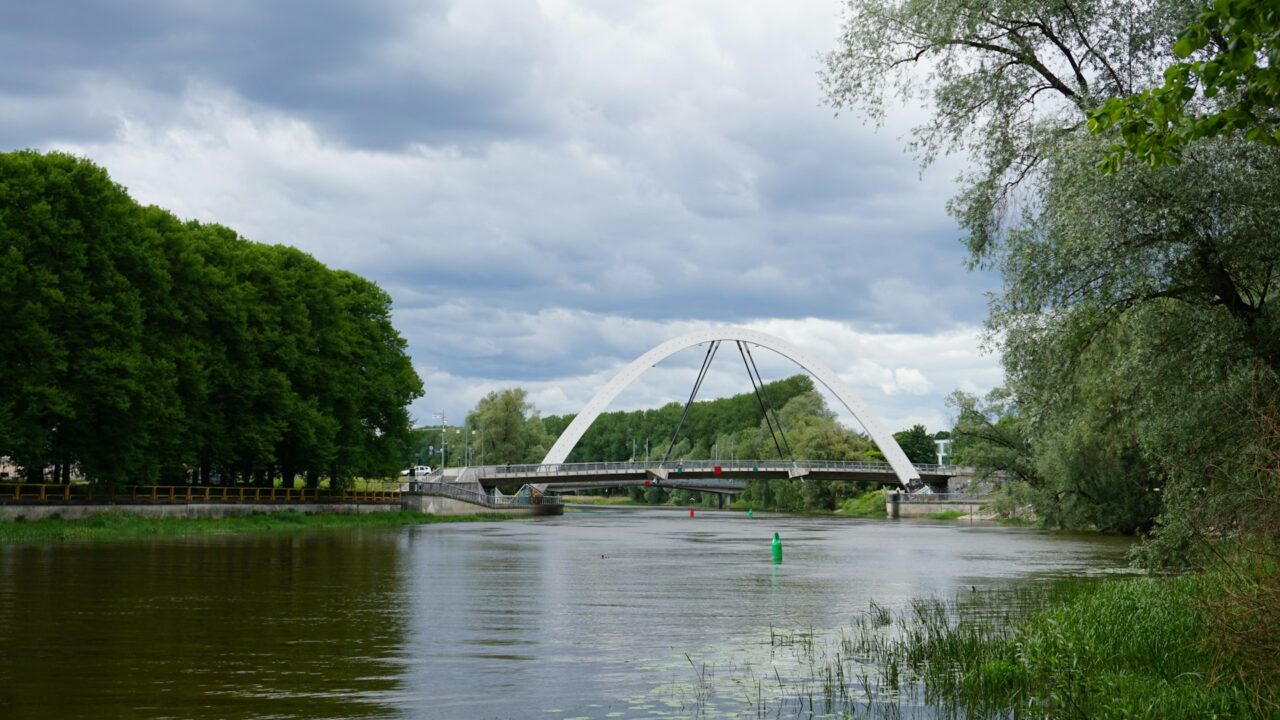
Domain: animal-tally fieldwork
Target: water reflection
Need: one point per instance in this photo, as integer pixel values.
(609, 613)
(286, 627)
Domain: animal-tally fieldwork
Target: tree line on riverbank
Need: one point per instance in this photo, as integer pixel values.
(140, 348)
(1122, 182)
(1136, 322)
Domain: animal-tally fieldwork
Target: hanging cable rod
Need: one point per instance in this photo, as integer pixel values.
(702, 374)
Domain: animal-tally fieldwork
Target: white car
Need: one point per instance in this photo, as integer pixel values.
(417, 471)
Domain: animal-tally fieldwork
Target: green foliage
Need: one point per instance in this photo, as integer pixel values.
(1135, 321)
(712, 425)
(145, 349)
(991, 437)
(1227, 84)
(1056, 653)
(509, 429)
(1005, 79)
(918, 444)
(867, 505)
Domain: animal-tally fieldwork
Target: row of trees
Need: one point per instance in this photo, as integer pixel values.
(141, 348)
(623, 435)
(1136, 322)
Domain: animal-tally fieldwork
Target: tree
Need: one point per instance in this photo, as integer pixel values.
(1228, 83)
(991, 437)
(142, 348)
(1135, 317)
(918, 444)
(1006, 81)
(73, 377)
(513, 432)
(611, 436)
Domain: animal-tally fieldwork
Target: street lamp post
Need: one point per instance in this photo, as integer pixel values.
(444, 457)
(466, 439)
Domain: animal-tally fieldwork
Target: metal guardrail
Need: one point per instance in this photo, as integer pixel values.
(703, 465)
(155, 494)
(479, 498)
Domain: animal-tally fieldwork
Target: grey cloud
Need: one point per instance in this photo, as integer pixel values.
(543, 196)
(330, 61)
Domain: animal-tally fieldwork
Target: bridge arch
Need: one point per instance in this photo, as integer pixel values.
(902, 467)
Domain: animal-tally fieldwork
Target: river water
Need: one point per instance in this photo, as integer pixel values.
(601, 613)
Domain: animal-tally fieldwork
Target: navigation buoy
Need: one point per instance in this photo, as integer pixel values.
(690, 512)
(777, 549)
(750, 513)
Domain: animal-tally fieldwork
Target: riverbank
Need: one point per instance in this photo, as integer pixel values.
(124, 526)
(1149, 647)
(610, 500)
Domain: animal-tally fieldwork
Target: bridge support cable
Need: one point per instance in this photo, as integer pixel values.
(702, 375)
(774, 408)
(762, 396)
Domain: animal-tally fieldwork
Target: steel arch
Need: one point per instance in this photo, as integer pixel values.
(902, 467)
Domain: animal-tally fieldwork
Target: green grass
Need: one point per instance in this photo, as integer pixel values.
(947, 515)
(125, 526)
(1132, 648)
(867, 505)
(601, 500)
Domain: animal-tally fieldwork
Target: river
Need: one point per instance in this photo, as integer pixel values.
(601, 613)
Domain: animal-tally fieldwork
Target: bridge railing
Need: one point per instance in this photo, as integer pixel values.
(161, 494)
(492, 471)
(479, 498)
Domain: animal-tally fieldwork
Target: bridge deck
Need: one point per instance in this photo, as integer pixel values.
(629, 472)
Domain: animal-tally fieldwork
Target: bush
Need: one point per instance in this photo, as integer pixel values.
(867, 505)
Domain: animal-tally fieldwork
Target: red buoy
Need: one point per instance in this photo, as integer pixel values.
(717, 469)
(690, 512)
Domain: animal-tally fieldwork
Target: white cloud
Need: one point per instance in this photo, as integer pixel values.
(549, 190)
(872, 363)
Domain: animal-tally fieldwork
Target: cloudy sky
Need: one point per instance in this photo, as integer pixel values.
(547, 189)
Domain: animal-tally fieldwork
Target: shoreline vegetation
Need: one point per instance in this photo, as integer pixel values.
(117, 526)
(1132, 648)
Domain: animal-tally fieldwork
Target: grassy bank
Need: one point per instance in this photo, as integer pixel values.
(602, 500)
(123, 526)
(867, 505)
(1136, 648)
(1132, 648)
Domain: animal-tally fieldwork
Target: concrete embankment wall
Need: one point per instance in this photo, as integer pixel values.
(908, 510)
(75, 512)
(896, 508)
(437, 505)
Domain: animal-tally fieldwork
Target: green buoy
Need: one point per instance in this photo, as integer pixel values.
(750, 513)
(777, 549)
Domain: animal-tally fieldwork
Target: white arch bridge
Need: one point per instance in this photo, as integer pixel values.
(713, 475)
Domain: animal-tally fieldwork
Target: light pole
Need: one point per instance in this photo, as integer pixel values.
(444, 457)
(466, 439)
